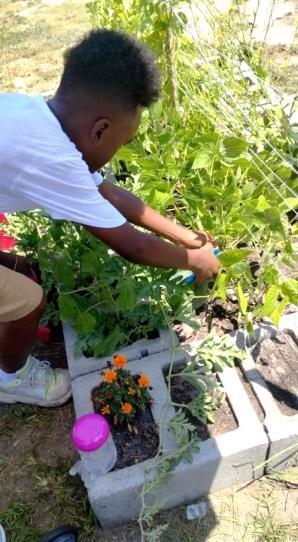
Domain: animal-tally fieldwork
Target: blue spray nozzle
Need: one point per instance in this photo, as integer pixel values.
(191, 278)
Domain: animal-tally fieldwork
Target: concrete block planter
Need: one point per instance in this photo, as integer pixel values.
(140, 349)
(222, 461)
(282, 430)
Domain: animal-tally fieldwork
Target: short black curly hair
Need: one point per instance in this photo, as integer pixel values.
(114, 65)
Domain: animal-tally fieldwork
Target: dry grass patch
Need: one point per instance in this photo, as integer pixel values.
(33, 37)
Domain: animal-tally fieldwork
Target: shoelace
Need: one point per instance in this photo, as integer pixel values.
(33, 378)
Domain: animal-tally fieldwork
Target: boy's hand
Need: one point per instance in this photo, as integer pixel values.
(203, 263)
(196, 239)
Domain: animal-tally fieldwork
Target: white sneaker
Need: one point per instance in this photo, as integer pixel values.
(2, 534)
(37, 384)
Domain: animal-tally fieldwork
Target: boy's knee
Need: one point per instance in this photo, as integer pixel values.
(20, 296)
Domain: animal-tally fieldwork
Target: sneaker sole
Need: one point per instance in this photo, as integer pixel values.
(11, 399)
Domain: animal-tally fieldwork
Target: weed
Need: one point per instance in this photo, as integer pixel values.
(267, 527)
(17, 519)
(18, 416)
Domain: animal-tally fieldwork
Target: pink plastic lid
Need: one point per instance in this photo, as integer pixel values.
(90, 432)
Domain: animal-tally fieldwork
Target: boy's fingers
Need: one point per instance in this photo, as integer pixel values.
(204, 237)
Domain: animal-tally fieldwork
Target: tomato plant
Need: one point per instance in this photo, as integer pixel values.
(209, 155)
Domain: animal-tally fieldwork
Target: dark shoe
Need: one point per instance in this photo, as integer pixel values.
(66, 533)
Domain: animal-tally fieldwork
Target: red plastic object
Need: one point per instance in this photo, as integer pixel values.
(7, 242)
(3, 218)
(43, 334)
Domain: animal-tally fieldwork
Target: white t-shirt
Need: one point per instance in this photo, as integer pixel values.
(41, 168)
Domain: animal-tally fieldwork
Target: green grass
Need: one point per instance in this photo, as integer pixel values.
(17, 519)
(62, 498)
(31, 48)
(267, 527)
(19, 416)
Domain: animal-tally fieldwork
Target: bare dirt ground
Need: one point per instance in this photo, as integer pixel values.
(36, 492)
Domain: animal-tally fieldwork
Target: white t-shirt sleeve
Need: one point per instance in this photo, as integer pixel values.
(97, 178)
(67, 191)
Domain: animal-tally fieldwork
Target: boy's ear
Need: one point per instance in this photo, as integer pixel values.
(98, 129)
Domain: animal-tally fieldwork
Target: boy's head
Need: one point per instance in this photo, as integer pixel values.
(108, 78)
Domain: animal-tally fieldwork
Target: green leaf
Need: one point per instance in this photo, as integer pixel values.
(270, 301)
(290, 289)
(160, 200)
(233, 256)
(288, 204)
(262, 204)
(127, 298)
(84, 323)
(249, 323)
(108, 345)
(203, 159)
(210, 193)
(272, 216)
(242, 299)
(89, 262)
(232, 147)
(221, 286)
(68, 307)
(63, 272)
(270, 275)
(279, 309)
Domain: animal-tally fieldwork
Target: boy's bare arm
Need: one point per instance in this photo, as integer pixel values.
(140, 214)
(146, 249)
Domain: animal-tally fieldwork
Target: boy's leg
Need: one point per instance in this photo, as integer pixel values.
(21, 306)
(22, 377)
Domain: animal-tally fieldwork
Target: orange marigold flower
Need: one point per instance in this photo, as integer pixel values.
(120, 361)
(144, 381)
(131, 391)
(126, 408)
(110, 376)
(106, 410)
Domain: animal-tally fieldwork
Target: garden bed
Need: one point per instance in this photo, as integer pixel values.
(135, 444)
(221, 461)
(217, 315)
(81, 365)
(276, 358)
(183, 392)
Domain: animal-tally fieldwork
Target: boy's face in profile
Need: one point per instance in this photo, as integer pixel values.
(107, 136)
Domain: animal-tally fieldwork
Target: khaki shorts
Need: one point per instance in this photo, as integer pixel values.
(19, 296)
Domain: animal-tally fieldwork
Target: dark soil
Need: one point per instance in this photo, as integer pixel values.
(54, 350)
(221, 316)
(277, 360)
(136, 442)
(184, 392)
(217, 315)
(134, 447)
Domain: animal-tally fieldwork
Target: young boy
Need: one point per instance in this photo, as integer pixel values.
(50, 154)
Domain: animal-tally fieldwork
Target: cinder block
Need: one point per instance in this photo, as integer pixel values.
(221, 461)
(282, 430)
(142, 348)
